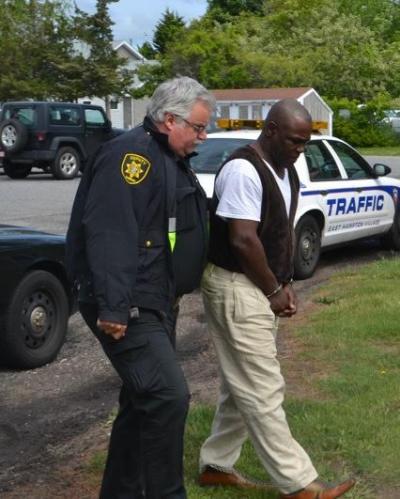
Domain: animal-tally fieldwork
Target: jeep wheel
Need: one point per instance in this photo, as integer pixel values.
(16, 171)
(66, 164)
(13, 135)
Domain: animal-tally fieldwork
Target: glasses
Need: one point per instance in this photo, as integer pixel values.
(197, 128)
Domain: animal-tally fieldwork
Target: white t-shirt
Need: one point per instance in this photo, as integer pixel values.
(239, 190)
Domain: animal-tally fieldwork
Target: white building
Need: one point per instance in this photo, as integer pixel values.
(254, 103)
(125, 112)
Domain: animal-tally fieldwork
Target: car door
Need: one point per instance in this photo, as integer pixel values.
(368, 208)
(63, 120)
(322, 185)
(97, 128)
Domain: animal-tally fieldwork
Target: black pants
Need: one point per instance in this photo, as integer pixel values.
(145, 457)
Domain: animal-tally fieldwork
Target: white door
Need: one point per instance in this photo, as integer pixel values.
(366, 206)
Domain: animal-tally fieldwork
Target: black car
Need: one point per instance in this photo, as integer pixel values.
(57, 137)
(35, 298)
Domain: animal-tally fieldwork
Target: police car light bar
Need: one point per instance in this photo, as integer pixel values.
(317, 126)
(229, 124)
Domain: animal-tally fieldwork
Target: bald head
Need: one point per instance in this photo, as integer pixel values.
(286, 131)
(286, 110)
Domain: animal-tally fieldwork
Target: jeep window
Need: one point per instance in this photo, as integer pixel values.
(94, 117)
(61, 115)
(25, 115)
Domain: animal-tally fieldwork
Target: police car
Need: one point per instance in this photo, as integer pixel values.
(342, 198)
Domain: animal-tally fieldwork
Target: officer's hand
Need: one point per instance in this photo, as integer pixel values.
(117, 331)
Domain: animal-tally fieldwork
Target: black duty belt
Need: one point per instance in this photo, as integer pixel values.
(146, 314)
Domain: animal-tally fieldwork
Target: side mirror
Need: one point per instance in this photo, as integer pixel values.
(381, 170)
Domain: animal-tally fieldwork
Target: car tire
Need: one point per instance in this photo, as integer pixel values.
(308, 247)
(16, 171)
(13, 135)
(67, 163)
(391, 240)
(36, 321)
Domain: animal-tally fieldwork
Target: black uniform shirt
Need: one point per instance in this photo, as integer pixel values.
(117, 242)
(190, 252)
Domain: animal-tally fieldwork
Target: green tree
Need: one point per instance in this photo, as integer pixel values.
(311, 43)
(316, 43)
(105, 72)
(381, 16)
(236, 7)
(147, 50)
(167, 30)
(208, 51)
(36, 41)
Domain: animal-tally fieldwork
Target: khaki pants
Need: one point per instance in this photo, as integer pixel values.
(243, 328)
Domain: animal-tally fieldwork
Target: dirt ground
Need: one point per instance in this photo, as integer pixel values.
(54, 417)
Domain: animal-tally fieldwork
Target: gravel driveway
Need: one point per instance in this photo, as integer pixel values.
(52, 416)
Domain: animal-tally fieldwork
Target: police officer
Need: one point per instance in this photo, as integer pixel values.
(137, 242)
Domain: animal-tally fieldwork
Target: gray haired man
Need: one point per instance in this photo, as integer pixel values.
(136, 243)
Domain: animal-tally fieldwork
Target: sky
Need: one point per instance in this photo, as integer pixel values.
(135, 20)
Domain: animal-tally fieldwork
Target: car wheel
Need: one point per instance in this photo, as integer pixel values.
(391, 240)
(16, 171)
(13, 135)
(67, 163)
(308, 247)
(36, 321)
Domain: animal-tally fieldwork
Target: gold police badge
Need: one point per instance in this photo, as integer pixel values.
(134, 168)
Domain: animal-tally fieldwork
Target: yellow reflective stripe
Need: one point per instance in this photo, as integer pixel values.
(172, 232)
(172, 240)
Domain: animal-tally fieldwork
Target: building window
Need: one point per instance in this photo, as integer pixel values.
(256, 112)
(224, 112)
(243, 112)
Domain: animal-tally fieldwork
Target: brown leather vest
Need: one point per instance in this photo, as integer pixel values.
(275, 229)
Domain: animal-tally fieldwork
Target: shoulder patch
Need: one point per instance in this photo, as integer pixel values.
(134, 168)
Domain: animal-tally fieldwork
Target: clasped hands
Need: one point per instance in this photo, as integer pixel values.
(284, 303)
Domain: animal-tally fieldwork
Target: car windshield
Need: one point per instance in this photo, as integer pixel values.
(213, 152)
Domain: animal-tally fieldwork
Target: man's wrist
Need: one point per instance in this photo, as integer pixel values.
(275, 291)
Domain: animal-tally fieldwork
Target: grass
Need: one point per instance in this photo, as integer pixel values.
(380, 151)
(351, 348)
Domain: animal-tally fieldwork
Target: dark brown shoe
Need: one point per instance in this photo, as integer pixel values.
(211, 477)
(318, 490)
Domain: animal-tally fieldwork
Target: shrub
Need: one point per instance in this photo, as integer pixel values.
(365, 126)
